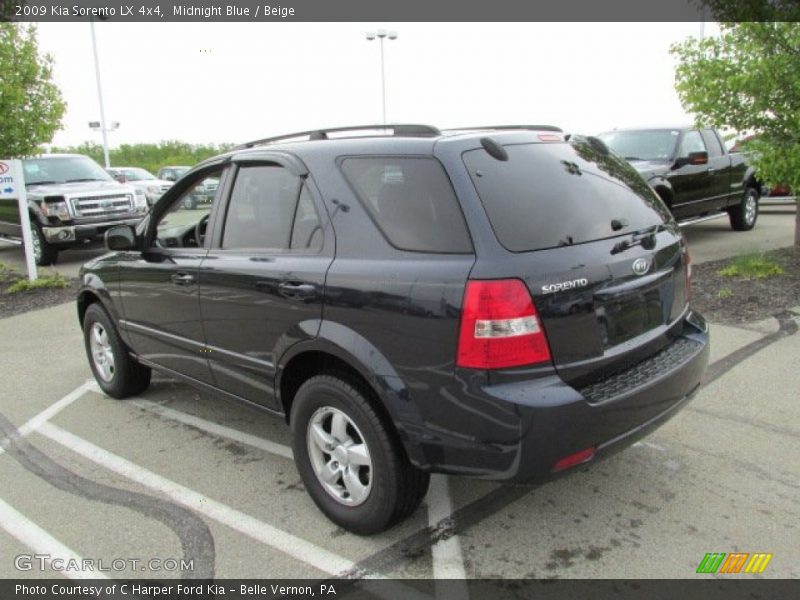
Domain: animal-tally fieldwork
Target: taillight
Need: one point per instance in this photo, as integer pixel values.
(500, 327)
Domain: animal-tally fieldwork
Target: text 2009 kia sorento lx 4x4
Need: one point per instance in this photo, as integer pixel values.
(493, 302)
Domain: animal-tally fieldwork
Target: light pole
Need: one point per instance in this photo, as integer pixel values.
(98, 126)
(382, 34)
(100, 97)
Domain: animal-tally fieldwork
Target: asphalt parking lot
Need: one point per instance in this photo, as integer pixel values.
(179, 475)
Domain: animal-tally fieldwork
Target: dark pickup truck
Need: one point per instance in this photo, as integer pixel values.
(71, 200)
(692, 172)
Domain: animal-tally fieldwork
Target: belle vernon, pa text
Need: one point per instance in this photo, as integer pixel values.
(179, 590)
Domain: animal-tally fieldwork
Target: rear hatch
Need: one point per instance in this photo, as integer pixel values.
(598, 250)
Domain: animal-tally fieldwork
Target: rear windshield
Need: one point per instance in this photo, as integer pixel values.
(559, 194)
(412, 202)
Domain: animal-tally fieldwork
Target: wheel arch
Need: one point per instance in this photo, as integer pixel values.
(338, 349)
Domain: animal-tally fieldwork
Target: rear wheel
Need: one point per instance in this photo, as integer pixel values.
(351, 463)
(745, 214)
(44, 253)
(117, 374)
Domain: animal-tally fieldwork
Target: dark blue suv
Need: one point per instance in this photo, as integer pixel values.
(497, 302)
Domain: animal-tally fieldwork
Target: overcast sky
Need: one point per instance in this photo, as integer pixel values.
(216, 82)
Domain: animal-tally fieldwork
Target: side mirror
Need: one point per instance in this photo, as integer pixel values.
(121, 237)
(694, 158)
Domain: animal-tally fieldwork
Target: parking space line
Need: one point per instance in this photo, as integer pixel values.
(41, 542)
(448, 561)
(48, 413)
(284, 542)
(216, 429)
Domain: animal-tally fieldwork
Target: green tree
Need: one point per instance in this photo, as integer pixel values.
(748, 79)
(30, 103)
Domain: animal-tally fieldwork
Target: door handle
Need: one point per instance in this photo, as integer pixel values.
(297, 289)
(182, 279)
(710, 169)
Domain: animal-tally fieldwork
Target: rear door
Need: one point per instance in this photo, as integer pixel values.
(262, 283)
(719, 169)
(597, 248)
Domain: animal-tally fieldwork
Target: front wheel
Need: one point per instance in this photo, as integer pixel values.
(350, 460)
(117, 374)
(744, 215)
(44, 253)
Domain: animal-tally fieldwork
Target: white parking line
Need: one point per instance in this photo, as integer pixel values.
(216, 429)
(41, 542)
(48, 413)
(284, 542)
(448, 562)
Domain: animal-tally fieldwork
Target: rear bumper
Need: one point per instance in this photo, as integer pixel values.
(531, 425)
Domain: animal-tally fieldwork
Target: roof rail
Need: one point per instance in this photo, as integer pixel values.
(399, 130)
(507, 127)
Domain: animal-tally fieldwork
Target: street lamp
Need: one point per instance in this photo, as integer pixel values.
(102, 123)
(98, 126)
(382, 34)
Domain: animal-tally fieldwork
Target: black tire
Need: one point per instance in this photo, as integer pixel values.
(128, 377)
(745, 214)
(44, 253)
(397, 487)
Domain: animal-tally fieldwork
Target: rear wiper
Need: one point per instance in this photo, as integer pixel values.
(646, 238)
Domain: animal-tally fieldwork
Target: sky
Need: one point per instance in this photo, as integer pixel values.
(234, 82)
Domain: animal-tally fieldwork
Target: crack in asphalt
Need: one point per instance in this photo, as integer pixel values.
(195, 537)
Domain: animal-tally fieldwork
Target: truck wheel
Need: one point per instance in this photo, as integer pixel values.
(117, 374)
(349, 459)
(44, 253)
(745, 214)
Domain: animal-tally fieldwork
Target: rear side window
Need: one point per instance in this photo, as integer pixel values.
(549, 195)
(412, 202)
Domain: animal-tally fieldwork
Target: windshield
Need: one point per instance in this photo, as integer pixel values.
(548, 195)
(63, 169)
(136, 174)
(644, 144)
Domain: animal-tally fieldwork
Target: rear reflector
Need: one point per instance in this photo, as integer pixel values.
(500, 327)
(573, 460)
(688, 264)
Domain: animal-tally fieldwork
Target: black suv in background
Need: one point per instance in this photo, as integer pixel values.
(491, 302)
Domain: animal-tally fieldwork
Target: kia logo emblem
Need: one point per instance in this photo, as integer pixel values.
(3, 168)
(641, 266)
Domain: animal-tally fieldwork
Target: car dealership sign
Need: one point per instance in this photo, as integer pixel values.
(12, 185)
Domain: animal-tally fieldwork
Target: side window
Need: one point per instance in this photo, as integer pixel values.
(713, 143)
(178, 226)
(692, 142)
(307, 229)
(412, 201)
(262, 208)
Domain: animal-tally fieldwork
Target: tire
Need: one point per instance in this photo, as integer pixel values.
(745, 214)
(394, 487)
(123, 376)
(44, 253)
(190, 203)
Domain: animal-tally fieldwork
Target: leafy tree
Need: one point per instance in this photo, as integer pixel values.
(748, 80)
(150, 156)
(30, 103)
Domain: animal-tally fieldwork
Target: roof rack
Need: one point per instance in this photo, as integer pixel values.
(506, 128)
(399, 130)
